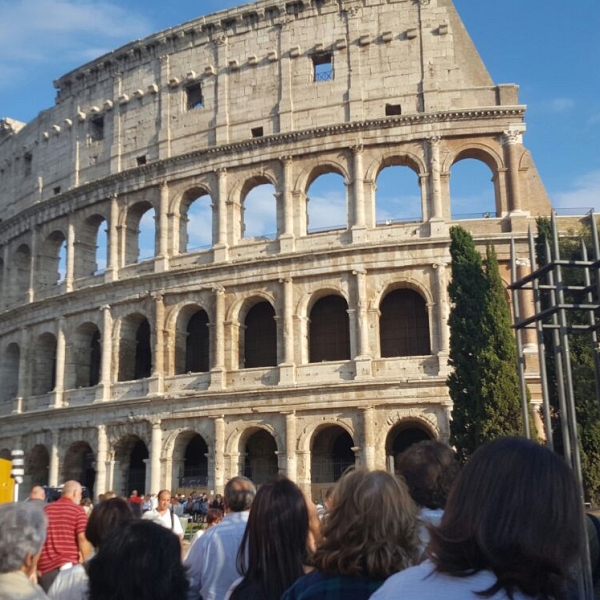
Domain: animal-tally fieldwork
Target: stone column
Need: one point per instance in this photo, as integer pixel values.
(112, 268)
(286, 105)
(53, 466)
(526, 306)
(158, 350)
(107, 341)
(5, 286)
(288, 320)
(69, 277)
(111, 466)
(437, 211)
(354, 52)
(218, 342)
(443, 346)
(219, 453)
(222, 83)
(24, 361)
(290, 445)
(101, 457)
(369, 440)
(32, 265)
(59, 386)
(161, 262)
(511, 140)
(155, 451)
(147, 481)
(286, 239)
(220, 245)
(361, 305)
(358, 196)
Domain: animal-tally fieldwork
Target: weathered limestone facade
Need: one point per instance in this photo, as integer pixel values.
(256, 354)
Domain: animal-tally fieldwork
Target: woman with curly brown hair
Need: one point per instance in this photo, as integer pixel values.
(369, 534)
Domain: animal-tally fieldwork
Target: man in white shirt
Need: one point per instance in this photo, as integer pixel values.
(212, 560)
(163, 515)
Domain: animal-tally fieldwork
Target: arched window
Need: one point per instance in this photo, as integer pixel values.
(472, 190)
(197, 345)
(140, 242)
(135, 355)
(52, 261)
(331, 454)
(259, 212)
(326, 207)
(196, 222)
(329, 332)
(398, 196)
(22, 267)
(9, 373)
(44, 365)
(91, 254)
(404, 324)
(260, 339)
(260, 462)
(86, 356)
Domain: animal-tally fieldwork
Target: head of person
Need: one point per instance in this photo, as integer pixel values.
(164, 501)
(371, 527)
(22, 534)
(140, 559)
(429, 469)
(239, 494)
(105, 518)
(213, 516)
(37, 493)
(274, 548)
(514, 510)
(108, 495)
(73, 491)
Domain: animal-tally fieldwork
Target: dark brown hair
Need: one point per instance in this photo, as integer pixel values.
(429, 469)
(371, 528)
(107, 516)
(515, 510)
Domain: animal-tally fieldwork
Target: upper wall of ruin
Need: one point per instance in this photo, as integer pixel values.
(254, 71)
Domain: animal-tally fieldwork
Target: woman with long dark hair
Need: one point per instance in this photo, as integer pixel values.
(512, 528)
(275, 548)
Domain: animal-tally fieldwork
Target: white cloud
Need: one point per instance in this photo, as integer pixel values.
(584, 193)
(558, 105)
(61, 34)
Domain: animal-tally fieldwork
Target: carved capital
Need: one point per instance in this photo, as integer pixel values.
(220, 39)
(357, 148)
(511, 136)
(221, 171)
(286, 160)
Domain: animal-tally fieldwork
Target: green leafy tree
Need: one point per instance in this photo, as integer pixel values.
(483, 384)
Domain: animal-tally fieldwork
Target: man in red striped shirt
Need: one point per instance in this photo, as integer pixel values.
(66, 544)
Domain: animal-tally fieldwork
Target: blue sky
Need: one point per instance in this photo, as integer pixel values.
(549, 47)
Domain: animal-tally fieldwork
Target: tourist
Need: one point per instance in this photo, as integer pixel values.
(37, 494)
(275, 548)
(164, 514)
(212, 560)
(213, 517)
(22, 533)
(66, 544)
(72, 584)
(135, 503)
(429, 469)
(140, 560)
(512, 528)
(369, 533)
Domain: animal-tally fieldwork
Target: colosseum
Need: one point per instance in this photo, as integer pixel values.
(179, 365)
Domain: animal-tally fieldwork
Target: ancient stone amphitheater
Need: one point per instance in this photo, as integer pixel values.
(300, 352)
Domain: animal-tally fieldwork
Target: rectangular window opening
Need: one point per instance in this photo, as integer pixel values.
(56, 190)
(392, 110)
(27, 163)
(97, 129)
(322, 67)
(194, 97)
(141, 160)
(257, 132)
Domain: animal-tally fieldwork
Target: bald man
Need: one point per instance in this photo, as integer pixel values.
(37, 493)
(66, 544)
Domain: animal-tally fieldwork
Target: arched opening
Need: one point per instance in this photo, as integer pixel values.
(398, 196)
(9, 373)
(195, 221)
(329, 330)
(91, 253)
(190, 461)
(260, 460)
(260, 336)
(135, 351)
(132, 453)
(401, 436)
(80, 464)
(193, 341)
(141, 234)
(259, 211)
(37, 465)
(404, 324)
(472, 190)
(22, 266)
(331, 455)
(52, 261)
(44, 364)
(86, 356)
(326, 203)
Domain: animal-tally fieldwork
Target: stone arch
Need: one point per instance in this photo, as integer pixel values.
(259, 216)
(80, 464)
(394, 157)
(327, 200)
(9, 372)
(135, 347)
(91, 249)
(332, 453)
(191, 206)
(485, 153)
(404, 433)
(259, 336)
(44, 364)
(404, 328)
(138, 232)
(51, 260)
(37, 465)
(22, 267)
(192, 340)
(258, 448)
(131, 454)
(190, 460)
(237, 438)
(329, 329)
(410, 283)
(85, 352)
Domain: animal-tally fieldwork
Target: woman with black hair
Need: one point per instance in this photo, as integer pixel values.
(275, 548)
(512, 528)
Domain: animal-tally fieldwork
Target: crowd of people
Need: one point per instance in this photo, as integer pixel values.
(508, 525)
